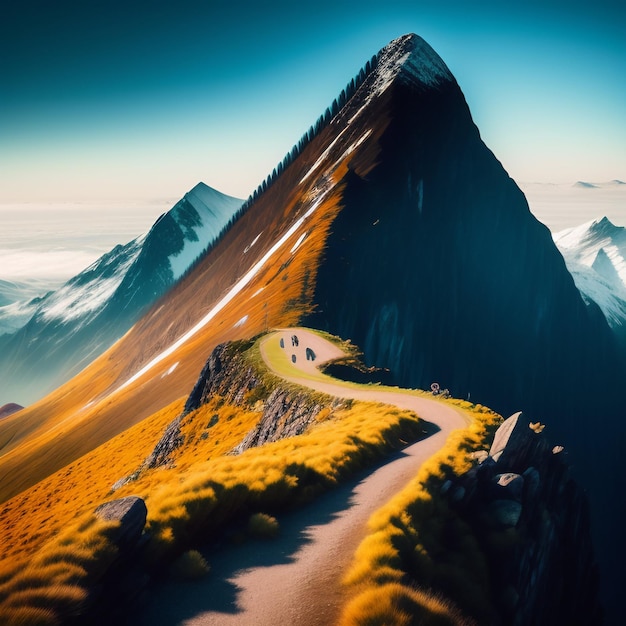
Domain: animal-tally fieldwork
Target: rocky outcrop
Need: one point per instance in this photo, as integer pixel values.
(532, 522)
(124, 579)
(230, 376)
(285, 414)
(226, 374)
(171, 440)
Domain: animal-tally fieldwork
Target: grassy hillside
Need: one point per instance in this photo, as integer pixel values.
(55, 550)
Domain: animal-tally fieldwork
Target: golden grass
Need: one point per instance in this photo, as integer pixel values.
(187, 507)
(30, 519)
(52, 586)
(394, 604)
(416, 534)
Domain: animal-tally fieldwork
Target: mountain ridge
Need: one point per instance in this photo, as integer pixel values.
(393, 226)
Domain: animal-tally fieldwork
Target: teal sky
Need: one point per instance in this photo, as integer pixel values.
(104, 101)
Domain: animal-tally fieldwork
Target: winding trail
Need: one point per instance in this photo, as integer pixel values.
(295, 579)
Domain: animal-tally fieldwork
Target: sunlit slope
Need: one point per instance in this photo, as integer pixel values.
(260, 275)
(190, 497)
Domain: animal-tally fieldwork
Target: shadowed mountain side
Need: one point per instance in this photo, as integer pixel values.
(436, 267)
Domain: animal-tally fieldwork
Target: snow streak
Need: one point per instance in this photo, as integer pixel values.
(235, 290)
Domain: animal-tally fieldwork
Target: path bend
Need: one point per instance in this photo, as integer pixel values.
(295, 580)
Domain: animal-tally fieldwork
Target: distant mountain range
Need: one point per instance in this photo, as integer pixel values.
(586, 185)
(49, 339)
(595, 253)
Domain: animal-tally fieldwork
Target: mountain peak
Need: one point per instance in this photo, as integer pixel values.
(410, 57)
(604, 225)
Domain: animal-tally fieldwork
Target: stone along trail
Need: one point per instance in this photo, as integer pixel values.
(295, 580)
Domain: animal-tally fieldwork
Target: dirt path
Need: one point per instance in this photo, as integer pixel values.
(295, 580)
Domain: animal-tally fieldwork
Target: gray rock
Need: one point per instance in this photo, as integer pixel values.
(131, 512)
(501, 438)
(285, 414)
(509, 486)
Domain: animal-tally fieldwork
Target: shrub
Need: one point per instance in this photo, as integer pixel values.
(189, 566)
(395, 604)
(263, 526)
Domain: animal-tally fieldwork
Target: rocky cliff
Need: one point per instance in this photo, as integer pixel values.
(532, 523)
(229, 374)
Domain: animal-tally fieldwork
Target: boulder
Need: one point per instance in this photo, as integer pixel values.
(501, 438)
(131, 513)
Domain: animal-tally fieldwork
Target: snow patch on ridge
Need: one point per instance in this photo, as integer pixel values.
(240, 322)
(252, 243)
(410, 58)
(79, 297)
(234, 291)
(170, 370)
(298, 242)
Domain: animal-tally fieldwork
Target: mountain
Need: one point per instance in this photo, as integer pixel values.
(55, 336)
(390, 224)
(18, 302)
(595, 254)
(9, 409)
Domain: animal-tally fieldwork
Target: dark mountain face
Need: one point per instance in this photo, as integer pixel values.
(438, 270)
(436, 267)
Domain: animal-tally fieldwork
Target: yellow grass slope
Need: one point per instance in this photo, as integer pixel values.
(49, 559)
(94, 407)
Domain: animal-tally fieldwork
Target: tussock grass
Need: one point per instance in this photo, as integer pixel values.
(28, 616)
(52, 586)
(190, 565)
(263, 526)
(394, 604)
(189, 507)
(416, 536)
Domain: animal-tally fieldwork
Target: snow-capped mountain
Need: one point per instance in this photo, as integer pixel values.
(51, 338)
(15, 310)
(595, 254)
(393, 225)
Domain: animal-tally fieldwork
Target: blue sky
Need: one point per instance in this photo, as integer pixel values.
(104, 101)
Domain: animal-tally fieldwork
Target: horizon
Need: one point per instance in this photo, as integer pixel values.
(125, 104)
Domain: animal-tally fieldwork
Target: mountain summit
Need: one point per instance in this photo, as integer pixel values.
(411, 60)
